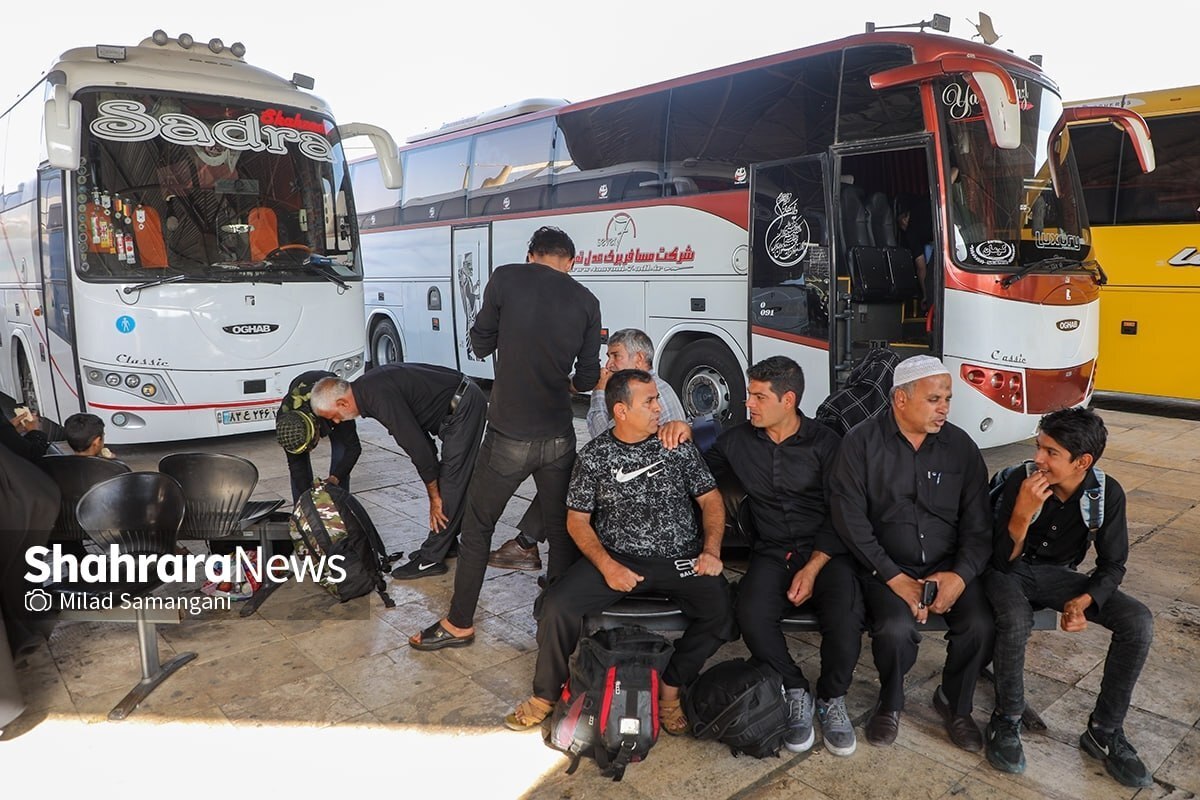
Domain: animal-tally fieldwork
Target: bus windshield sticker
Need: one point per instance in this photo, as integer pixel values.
(127, 121)
(994, 253)
(788, 235)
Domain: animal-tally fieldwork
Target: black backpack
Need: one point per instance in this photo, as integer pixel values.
(1091, 502)
(741, 703)
(327, 522)
(608, 709)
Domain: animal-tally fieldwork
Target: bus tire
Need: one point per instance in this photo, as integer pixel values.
(709, 380)
(385, 344)
(27, 385)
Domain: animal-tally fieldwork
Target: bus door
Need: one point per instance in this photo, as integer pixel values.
(62, 392)
(886, 261)
(471, 266)
(791, 269)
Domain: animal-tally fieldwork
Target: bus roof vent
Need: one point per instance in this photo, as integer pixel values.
(520, 108)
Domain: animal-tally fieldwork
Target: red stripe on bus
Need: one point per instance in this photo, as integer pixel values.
(109, 407)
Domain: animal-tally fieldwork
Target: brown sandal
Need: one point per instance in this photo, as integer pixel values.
(528, 714)
(671, 717)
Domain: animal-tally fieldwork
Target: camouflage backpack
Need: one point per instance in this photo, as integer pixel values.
(327, 522)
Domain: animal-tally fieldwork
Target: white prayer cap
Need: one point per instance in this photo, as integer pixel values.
(917, 367)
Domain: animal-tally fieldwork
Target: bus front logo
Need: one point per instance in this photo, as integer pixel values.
(251, 328)
(1067, 324)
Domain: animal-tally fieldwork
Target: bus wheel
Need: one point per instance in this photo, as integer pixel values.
(385, 344)
(709, 381)
(28, 388)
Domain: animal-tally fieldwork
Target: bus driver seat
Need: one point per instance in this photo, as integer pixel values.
(264, 232)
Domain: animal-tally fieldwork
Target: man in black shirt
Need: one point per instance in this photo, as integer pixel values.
(298, 430)
(630, 513)
(416, 402)
(1041, 536)
(909, 499)
(783, 459)
(542, 323)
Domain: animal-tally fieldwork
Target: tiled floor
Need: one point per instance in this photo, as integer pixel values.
(261, 688)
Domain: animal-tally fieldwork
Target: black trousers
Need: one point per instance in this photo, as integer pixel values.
(895, 635)
(460, 436)
(300, 470)
(837, 598)
(503, 464)
(705, 599)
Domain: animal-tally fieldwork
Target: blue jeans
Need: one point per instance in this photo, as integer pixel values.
(1016, 593)
(503, 464)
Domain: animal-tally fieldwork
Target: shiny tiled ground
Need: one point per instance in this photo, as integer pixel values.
(263, 687)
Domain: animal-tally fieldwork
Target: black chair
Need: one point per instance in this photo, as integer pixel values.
(216, 489)
(139, 513)
(74, 476)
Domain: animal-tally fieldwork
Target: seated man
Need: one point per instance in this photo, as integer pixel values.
(628, 348)
(783, 459)
(909, 498)
(1041, 536)
(629, 510)
(85, 435)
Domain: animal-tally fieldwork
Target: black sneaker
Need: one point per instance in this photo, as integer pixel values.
(1118, 755)
(417, 569)
(1002, 742)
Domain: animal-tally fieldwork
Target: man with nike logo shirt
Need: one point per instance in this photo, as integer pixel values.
(630, 512)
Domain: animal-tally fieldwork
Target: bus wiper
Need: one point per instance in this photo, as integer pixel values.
(155, 282)
(1051, 264)
(314, 263)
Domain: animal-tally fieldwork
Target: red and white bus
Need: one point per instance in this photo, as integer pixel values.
(752, 210)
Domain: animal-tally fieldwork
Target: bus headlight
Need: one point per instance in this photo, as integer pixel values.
(149, 385)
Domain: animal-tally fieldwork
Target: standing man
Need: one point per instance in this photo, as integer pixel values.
(298, 431)
(631, 514)
(1041, 536)
(416, 402)
(543, 324)
(783, 460)
(628, 348)
(909, 499)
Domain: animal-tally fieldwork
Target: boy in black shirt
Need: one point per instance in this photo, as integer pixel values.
(1040, 537)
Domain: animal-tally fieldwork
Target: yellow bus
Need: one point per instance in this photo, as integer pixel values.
(1146, 237)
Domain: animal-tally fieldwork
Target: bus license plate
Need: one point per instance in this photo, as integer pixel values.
(240, 415)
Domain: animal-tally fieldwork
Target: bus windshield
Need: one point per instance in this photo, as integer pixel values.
(1006, 213)
(180, 187)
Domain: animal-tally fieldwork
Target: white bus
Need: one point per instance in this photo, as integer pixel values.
(753, 210)
(178, 240)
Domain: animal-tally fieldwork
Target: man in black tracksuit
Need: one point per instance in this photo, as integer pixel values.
(541, 324)
(344, 447)
(416, 402)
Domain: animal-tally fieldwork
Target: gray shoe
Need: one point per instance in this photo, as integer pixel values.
(799, 737)
(836, 726)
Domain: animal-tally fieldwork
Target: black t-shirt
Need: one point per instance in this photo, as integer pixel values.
(541, 323)
(640, 495)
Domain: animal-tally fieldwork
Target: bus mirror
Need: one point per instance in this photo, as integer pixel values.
(991, 84)
(1128, 120)
(385, 149)
(63, 120)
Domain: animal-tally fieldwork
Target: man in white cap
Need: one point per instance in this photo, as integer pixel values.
(909, 498)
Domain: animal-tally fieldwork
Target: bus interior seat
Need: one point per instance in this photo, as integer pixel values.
(264, 232)
(148, 238)
(870, 280)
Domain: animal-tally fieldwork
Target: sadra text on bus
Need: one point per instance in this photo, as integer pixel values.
(180, 239)
(900, 190)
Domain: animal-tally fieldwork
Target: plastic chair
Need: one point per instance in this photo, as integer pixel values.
(74, 476)
(139, 513)
(216, 489)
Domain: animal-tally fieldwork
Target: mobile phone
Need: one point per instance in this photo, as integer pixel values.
(22, 413)
(928, 592)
